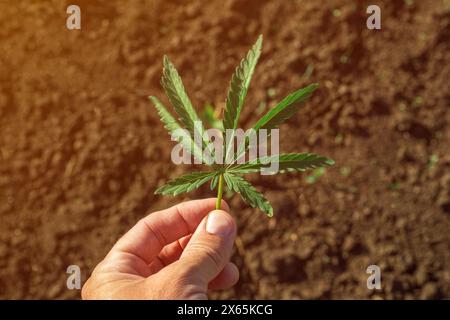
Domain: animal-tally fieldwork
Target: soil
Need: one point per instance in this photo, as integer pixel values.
(82, 149)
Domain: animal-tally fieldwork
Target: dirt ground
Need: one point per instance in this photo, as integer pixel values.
(82, 149)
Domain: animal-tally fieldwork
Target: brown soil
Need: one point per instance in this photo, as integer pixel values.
(82, 150)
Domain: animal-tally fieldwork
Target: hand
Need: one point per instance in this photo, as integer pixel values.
(177, 253)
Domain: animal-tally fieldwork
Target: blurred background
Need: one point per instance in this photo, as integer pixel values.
(82, 149)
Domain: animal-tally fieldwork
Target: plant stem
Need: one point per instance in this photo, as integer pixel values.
(219, 192)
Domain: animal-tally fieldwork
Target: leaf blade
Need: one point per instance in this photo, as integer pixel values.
(214, 181)
(285, 109)
(185, 183)
(287, 163)
(239, 84)
(172, 126)
(170, 123)
(248, 193)
(175, 91)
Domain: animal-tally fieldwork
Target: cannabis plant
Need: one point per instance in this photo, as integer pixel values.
(230, 172)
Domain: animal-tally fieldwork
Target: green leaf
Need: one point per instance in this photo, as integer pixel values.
(174, 88)
(248, 192)
(287, 162)
(171, 124)
(285, 109)
(214, 181)
(185, 183)
(176, 93)
(240, 82)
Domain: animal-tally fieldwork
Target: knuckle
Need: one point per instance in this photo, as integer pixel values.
(204, 251)
(160, 237)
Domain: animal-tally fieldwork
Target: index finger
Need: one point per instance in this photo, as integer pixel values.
(152, 233)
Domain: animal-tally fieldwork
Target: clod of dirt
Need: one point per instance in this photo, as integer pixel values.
(429, 291)
(285, 265)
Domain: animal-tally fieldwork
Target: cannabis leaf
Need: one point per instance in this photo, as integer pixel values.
(171, 124)
(230, 173)
(287, 163)
(185, 183)
(285, 109)
(174, 88)
(176, 93)
(248, 192)
(240, 82)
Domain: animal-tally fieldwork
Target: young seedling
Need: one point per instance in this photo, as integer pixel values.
(230, 172)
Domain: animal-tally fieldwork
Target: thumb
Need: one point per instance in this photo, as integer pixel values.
(210, 247)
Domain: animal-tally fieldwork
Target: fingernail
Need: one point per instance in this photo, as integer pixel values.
(219, 223)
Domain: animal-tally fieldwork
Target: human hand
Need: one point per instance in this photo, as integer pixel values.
(177, 253)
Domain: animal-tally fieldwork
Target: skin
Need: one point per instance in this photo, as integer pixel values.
(177, 253)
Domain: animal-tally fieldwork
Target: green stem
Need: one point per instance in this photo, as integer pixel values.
(219, 192)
